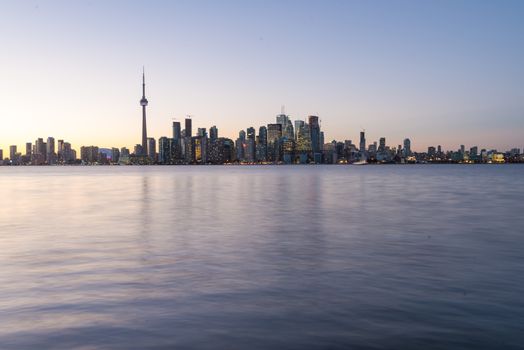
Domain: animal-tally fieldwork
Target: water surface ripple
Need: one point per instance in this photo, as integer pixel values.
(262, 257)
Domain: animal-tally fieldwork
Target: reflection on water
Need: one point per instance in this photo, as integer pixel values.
(262, 257)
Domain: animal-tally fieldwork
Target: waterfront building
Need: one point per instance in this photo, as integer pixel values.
(282, 119)
(189, 127)
(221, 151)
(362, 144)
(240, 145)
(25, 158)
(188, 146)
(115, 155)
(250, 145)
(201, 146)
(28, 150)
(50, 151)
(201, 132)
(174, 153)
(199, 150)
(350, 151)
(473, 153)
(274, 135)
(286, 125)
(339, 150)
(407, 148)
(189, 150)
(372, 150)
(90, 154)
(287, 131)
(329, 153)
(213, 133)
(314, 130)
(261, 144)
(288, 150)
(138, 150)
(164, 151)
(177, 134)
(60, 150)
(69, 153)
(177, 141)
(303, 144)
(382, 145)
(298, 125)
(151, 148)
(12, 153)
(40, 152)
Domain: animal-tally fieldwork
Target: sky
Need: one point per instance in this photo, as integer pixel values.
(438, 72)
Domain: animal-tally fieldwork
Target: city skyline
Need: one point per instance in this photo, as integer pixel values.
(286, 141)
(188, 119)
(403, 69)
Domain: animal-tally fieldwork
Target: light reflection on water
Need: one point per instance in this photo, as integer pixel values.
(262, 257)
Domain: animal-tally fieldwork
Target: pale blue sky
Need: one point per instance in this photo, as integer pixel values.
(439, 72)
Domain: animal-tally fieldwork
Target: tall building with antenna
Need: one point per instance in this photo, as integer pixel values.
(143, 103)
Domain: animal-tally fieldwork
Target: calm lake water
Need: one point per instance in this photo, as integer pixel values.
(262, 257)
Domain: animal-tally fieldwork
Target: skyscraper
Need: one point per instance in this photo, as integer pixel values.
(188, 144)
(274, 134)
(201, 132)
(115, 155)
(250, 145)
(473, 152)
(164, 152)
(176, 131)
(314, 130)
(188, 129)
(282, 119)
(213, 133)
(382, 144)
(407, 147)
(50, 151)
(201, 146)
(287, 126)
(143, 103)
(60, 149)
(39, 153)
(298, 125)
(68, 154)
(303, 146)
(262, 144)
(362, 145)
(240, 145)
(151, 148)
(12, 153)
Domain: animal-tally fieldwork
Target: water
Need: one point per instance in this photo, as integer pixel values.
(262, 257)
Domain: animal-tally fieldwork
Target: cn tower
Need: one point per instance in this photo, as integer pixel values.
(143, 103)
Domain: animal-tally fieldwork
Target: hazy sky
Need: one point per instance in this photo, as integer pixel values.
(439, 72)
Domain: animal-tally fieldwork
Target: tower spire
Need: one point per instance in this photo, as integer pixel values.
(143, 82)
